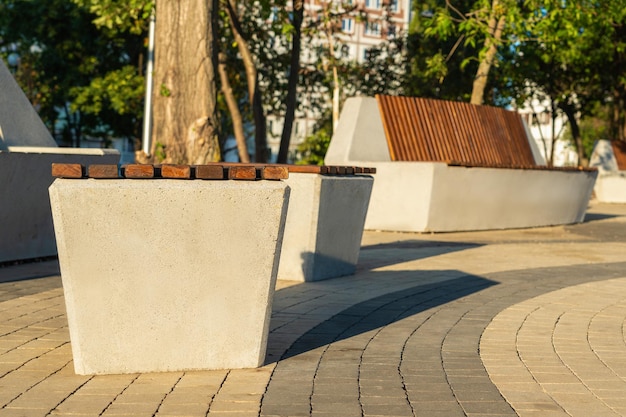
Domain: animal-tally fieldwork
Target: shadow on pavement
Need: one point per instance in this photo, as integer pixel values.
(381, 311)
(384, 254)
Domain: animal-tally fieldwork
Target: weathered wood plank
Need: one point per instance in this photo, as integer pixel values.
(274, 172)
(210, 172)
(138, 171)
(243, 172)
(67, 170)
(103, 171)
(176, 171)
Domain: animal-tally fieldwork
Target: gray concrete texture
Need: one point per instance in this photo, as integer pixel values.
(168, 275)
(523, 322)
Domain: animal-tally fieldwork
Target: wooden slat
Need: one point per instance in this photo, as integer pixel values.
(176, 171)
(67, 170)
(210, 172)
(305, 169)
(103, 171)
(242, 173)
(419, 129)
(274, 172)
(138, 171)
(619, 150)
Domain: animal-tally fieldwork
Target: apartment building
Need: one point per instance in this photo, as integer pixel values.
(358, 26)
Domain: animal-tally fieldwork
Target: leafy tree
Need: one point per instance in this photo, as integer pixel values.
(61, 52)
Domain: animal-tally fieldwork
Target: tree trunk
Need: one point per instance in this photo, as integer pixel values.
(294, 72)
(233, 109)
(570, 112)
(185, 124)
(260, 129)
(496, 26)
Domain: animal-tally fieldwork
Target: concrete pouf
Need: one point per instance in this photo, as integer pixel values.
(164, 275)
(324, 226)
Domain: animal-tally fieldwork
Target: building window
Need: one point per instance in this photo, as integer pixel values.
(372, 28)
(373, 4)
(393, 5)
(391, 31)
(347, 25)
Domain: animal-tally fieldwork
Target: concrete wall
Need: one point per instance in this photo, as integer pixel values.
(26, 229)
(611, 183)
(165, 275)
(324, 226)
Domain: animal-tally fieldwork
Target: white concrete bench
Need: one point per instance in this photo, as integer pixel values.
(610, 159)
(327, 209)
(415, 191)
(165, 274)
(162, 274)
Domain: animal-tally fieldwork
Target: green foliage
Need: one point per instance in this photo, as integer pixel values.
(63, 56)
(313, 149)
(120, 16)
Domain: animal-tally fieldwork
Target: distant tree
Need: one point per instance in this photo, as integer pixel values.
(63, 57)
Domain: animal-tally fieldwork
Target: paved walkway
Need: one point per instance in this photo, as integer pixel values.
(503, 323)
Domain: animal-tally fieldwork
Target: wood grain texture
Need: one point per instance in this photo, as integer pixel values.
(274, 172)
(176, 171)
(242, 172)
(138, 171)
(210, 172)
(67, 170)
(104, 171)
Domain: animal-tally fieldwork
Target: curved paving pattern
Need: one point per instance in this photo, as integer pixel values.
(474, 324)
(565, 349)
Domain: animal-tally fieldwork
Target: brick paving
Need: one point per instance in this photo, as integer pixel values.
(503, 323)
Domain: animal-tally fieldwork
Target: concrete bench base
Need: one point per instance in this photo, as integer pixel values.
(324, 226)
(435, 197)
(165, 275)
(611, 187)
(25, 218)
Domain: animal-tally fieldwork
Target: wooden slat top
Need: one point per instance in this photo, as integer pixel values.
(211, 171)
(419, 129)
(619, 150)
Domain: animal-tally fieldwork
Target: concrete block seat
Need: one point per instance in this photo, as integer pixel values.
(610, 159)
(325, 221)
(26, 151)
(444, 166)
(164, 274)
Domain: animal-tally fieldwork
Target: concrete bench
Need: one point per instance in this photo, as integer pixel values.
(163, 274)
(609, 157)
(325, 221)
(444, 166)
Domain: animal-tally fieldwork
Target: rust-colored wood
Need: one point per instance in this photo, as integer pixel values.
(103, 171)
(67, 170)
(210, 172)
(139, 171)
(176, 171)
(243, 172)
(419, 129)
(274, 172)
(305, 169)
(619, 150)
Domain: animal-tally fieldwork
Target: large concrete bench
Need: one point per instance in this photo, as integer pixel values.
(164, 274)
(26, 151)
(610, 159)
(325, 221)
(444, 166)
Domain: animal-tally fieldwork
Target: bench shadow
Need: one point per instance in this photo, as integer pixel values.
(370, 314)
(385, 254)
(592, 217)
